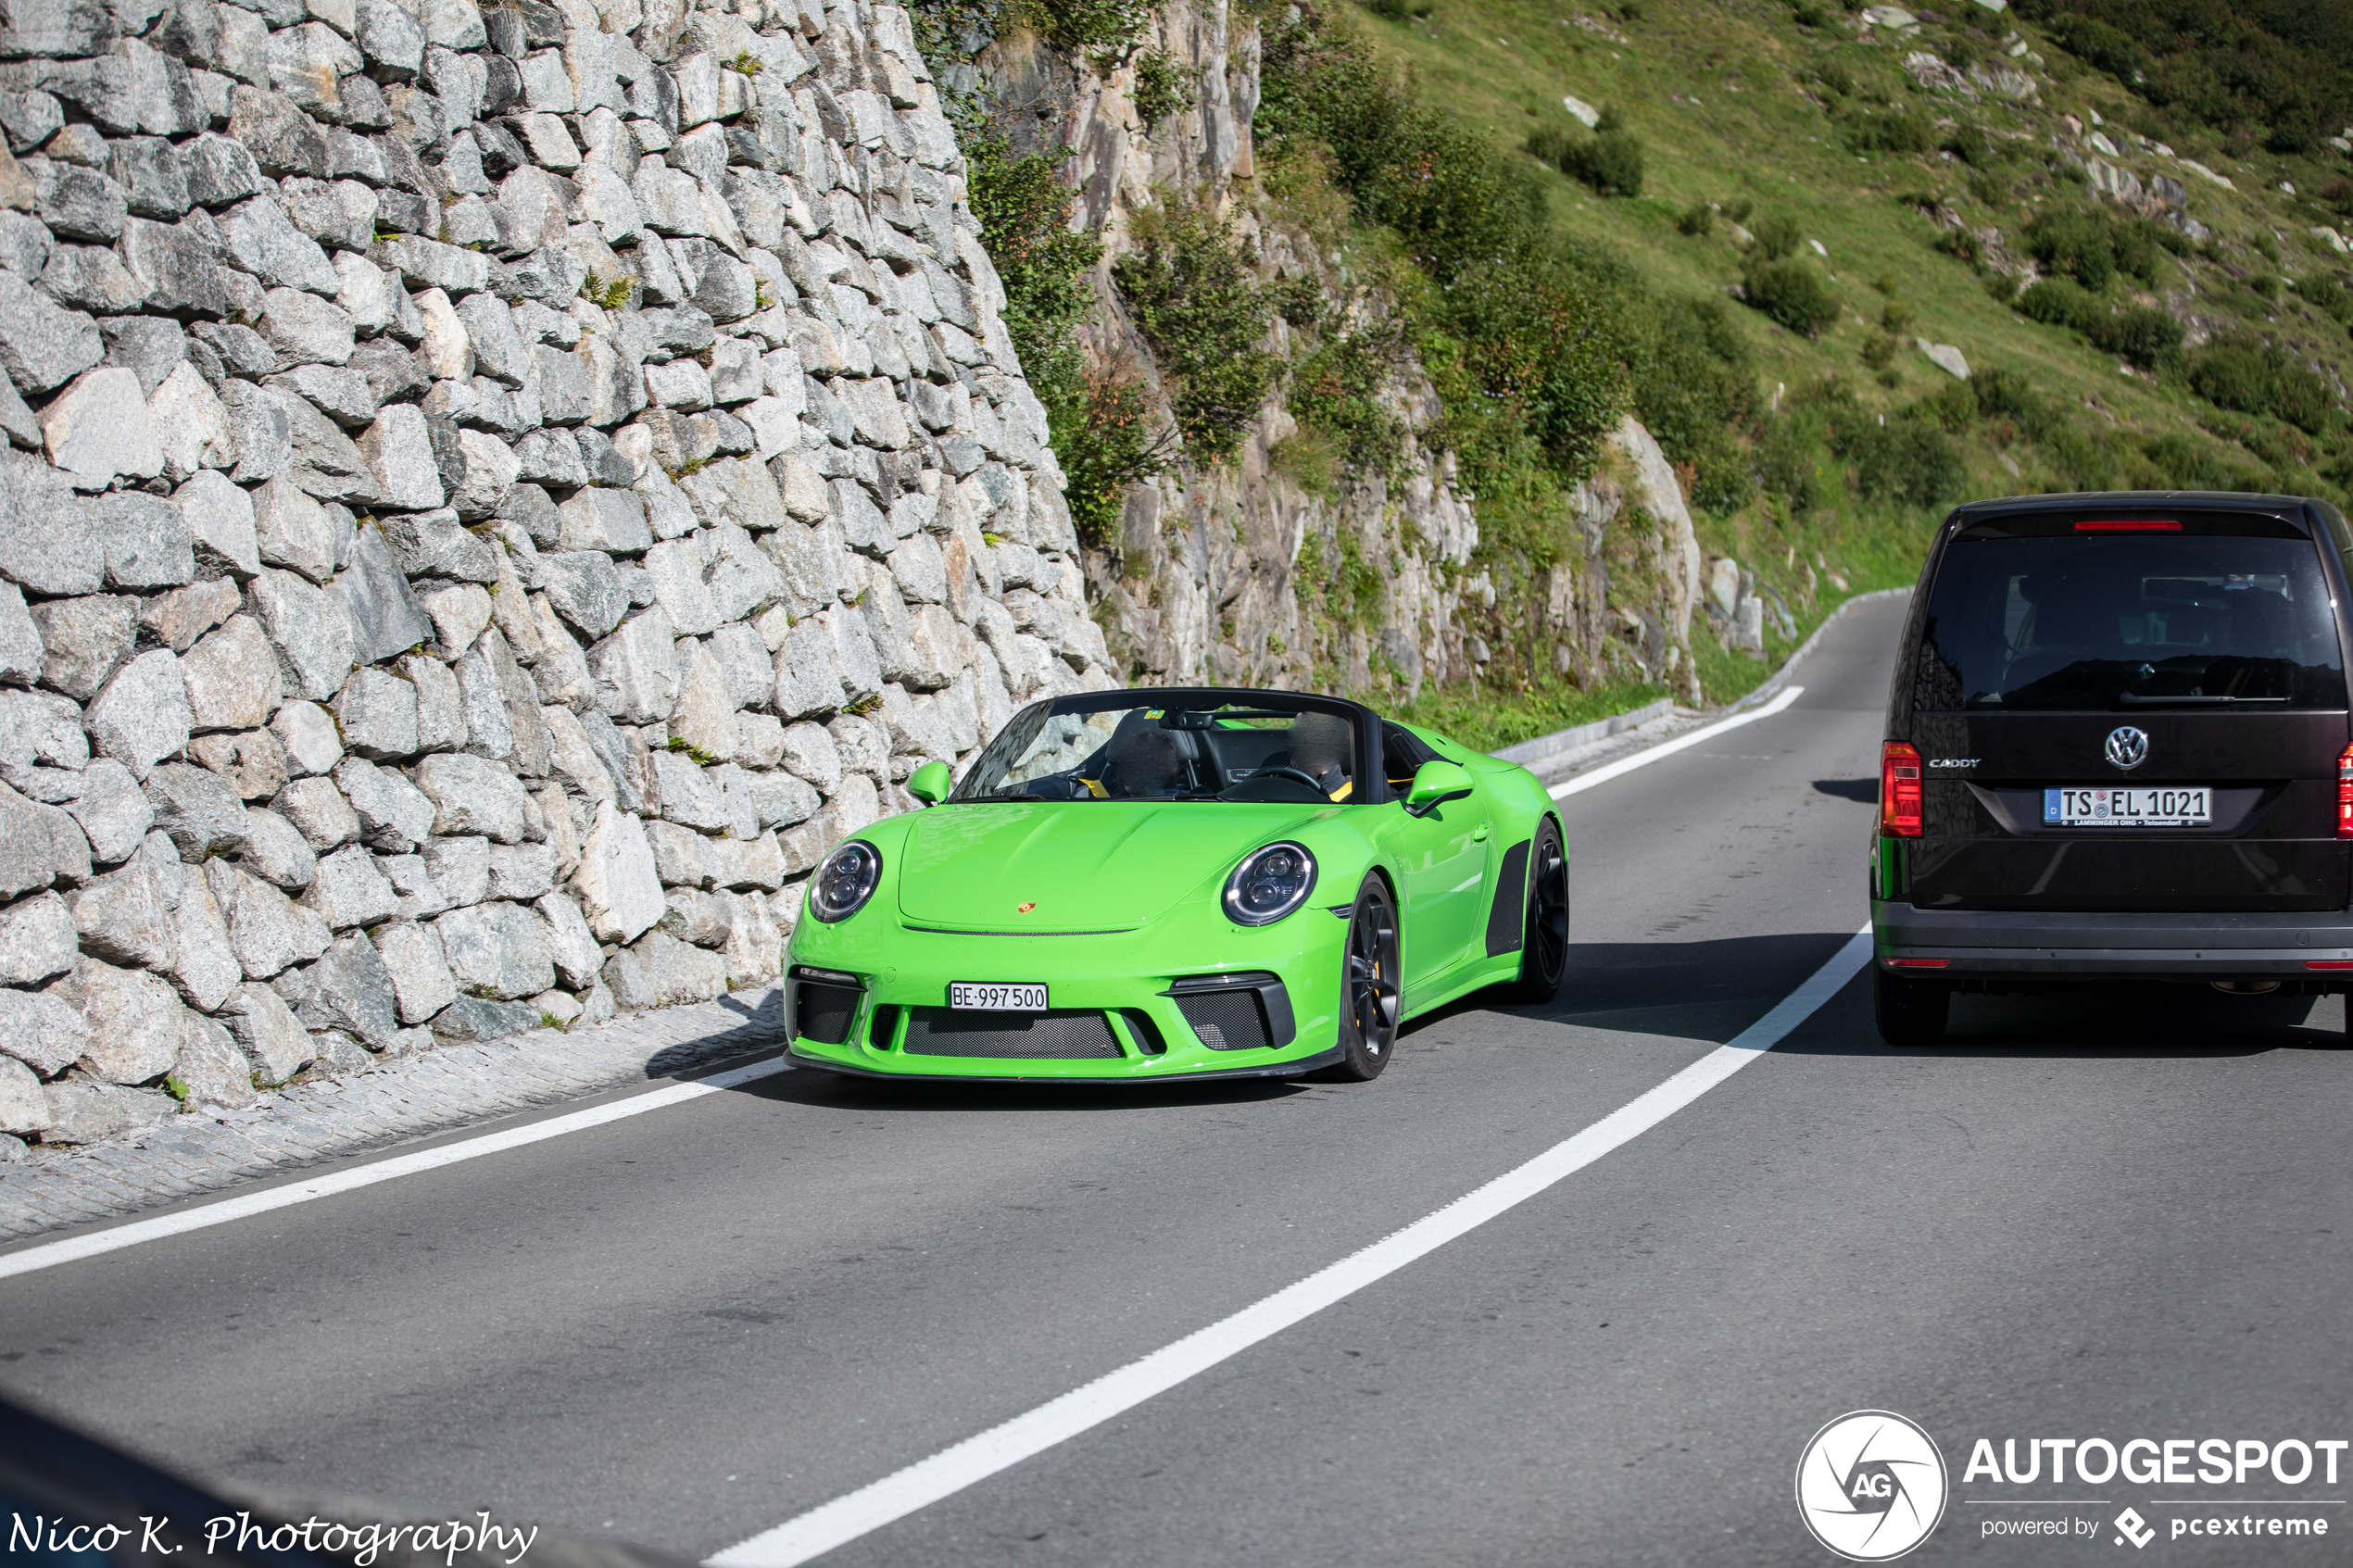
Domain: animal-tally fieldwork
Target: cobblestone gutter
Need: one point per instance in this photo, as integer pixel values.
(491, 495)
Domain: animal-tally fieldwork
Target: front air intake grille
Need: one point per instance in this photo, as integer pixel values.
(1232, 1020)
(1064, 1034)
(823, 1013)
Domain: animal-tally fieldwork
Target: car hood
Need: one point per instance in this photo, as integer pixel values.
(1082, 865)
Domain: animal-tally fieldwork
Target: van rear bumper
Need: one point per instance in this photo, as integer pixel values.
(1977, 943)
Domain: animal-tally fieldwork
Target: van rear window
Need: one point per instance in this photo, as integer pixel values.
(2124, 621)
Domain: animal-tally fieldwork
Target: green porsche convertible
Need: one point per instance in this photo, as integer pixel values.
(1177, 883)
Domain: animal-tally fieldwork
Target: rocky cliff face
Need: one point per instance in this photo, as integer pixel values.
(1244, 571)
(492, 495)
(1224, 571)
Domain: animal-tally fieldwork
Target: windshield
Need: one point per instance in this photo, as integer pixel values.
(2118, 623)
(1172, 746)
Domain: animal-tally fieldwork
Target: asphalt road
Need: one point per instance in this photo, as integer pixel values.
(2110, 1215)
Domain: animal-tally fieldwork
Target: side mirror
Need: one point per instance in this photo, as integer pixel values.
(931, 783)
(1435, 780)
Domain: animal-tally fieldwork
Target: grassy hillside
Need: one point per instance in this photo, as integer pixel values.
(1772, 111)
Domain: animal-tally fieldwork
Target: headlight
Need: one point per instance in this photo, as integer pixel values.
(1269, 883)
(845, 881)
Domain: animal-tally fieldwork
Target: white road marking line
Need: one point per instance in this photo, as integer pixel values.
(977, 1458)
(1609, 770)
(74, 1248)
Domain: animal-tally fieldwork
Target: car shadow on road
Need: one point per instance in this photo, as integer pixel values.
(2144, 1023)
(815, 1086)
(1692, 990)
(1863, 791)
(1713, 990)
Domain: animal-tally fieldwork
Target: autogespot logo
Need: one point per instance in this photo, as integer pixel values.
(1871, 1485)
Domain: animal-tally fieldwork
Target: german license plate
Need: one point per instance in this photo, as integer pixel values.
(2179, 806)
(968, 996)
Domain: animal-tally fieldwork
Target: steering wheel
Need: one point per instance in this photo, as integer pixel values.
(1289, 773)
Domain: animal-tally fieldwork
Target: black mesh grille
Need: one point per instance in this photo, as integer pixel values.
(822, 1012)
(1228, 1022)
(1058, 1035)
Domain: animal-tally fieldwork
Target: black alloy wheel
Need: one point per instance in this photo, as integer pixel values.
(1368, 986)
(1908, 1011)
(1543, 937)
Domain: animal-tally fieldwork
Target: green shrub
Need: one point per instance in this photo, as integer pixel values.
(1785, 463)
(1792, 294)
(1905, 461)
(1611, 162)
(2060, 302)
(1107, 445)
(1778, 237)
(2076, 243)
(1161, 88)
(1095, 422)
(2252, 377)
(1694, 390)
(1697, 221)
(1310, 458)
(1989, 189)
(2145, 336)
(1738, 211)
(1970, 143)
(1199, 304)
(1894, 132)
(1338, 390)
(1549, 144)
(1088, 26)
(2330, 295)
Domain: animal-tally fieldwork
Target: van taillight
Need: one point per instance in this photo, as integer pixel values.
(2344, 793)
(1899, 792)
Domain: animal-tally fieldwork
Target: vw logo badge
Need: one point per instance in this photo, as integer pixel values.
(2127, 748)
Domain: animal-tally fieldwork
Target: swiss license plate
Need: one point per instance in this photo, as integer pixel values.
(2177, 806)
(967, 995)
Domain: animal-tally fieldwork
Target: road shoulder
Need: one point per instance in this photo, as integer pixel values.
(334, 1117)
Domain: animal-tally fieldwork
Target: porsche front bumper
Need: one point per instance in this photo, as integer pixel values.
(1178, 997)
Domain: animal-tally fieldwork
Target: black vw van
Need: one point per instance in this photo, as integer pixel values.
(2117, 752)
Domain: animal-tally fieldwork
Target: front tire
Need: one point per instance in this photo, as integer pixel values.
(1543, 934)
(1368, 986)
(1910, 1012)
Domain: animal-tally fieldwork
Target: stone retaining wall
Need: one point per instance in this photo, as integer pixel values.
(492, 495)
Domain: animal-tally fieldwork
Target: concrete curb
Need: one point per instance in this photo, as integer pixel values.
(1533, 755)
(457, 1085)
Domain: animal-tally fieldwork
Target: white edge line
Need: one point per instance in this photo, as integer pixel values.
(977, 1458)
(1667, 748)
(74, 1248)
